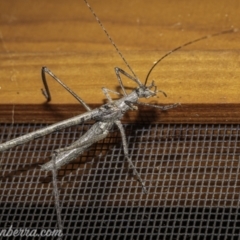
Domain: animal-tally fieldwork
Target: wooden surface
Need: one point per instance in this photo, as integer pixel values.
(203, 77)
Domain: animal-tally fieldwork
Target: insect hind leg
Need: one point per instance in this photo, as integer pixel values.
(64, 155)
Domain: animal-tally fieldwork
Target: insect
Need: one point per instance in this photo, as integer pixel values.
(105, 116)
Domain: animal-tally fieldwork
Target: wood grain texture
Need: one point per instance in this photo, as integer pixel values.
(203, 77)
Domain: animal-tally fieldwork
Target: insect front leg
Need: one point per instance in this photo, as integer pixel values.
(125, 149)
(46, 91)
(118, 71)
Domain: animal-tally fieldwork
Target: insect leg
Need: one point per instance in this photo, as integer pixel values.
(156, 106)
(64, 155)
(106, 90)
(125, 149)
(46, 91)
(60, 159)
(118, 71)
(80, 144)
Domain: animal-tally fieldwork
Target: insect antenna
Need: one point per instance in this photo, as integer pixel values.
(109, 37)
(184, 45)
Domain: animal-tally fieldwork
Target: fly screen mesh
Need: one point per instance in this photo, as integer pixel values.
(191, 173)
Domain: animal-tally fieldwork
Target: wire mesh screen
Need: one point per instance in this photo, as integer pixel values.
(191, 173)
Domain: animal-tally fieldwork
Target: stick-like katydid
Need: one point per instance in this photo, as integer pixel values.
(105, 116)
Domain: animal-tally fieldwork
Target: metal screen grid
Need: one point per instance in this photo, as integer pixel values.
(191, 173)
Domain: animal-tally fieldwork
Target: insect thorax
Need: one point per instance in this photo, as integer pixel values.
(109, 112)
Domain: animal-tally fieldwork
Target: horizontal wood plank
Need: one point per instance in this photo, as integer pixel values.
(203, 77)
